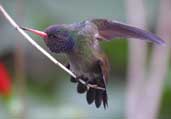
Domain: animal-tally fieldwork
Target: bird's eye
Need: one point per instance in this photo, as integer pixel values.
(52, 36)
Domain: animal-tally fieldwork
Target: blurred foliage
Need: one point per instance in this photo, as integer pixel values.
(165, 104)
(116, 51)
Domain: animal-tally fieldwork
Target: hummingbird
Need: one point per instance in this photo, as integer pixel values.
(80, 42)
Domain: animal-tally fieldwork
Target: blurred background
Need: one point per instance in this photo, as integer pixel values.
(32, 87)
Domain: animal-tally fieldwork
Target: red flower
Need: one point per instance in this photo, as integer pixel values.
(5, 84)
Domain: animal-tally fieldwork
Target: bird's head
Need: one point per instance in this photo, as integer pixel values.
(57, 38)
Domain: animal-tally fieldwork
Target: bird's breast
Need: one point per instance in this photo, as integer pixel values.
(83, 56)
(81, 64)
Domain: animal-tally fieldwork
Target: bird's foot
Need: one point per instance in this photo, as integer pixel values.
(82, 86)
(85, 82)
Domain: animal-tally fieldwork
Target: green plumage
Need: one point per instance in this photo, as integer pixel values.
(82, 55)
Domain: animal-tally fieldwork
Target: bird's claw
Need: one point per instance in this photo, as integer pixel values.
(85, 81)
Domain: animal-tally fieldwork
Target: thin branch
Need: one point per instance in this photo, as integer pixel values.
(13, 23)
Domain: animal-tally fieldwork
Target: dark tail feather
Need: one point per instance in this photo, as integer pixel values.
(98, 98)
(96, 95)
(101, 97)
(90, 96)
(105, 99)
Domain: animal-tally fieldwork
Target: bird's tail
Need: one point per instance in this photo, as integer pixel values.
(93, 95)
(96, 95)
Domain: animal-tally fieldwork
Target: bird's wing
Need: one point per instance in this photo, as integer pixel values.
(104, 66)
(101, 81)
(108, 30)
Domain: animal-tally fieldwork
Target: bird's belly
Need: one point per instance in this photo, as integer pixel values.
(82, 66)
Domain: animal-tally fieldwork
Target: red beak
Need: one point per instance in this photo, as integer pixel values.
(39, 33)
